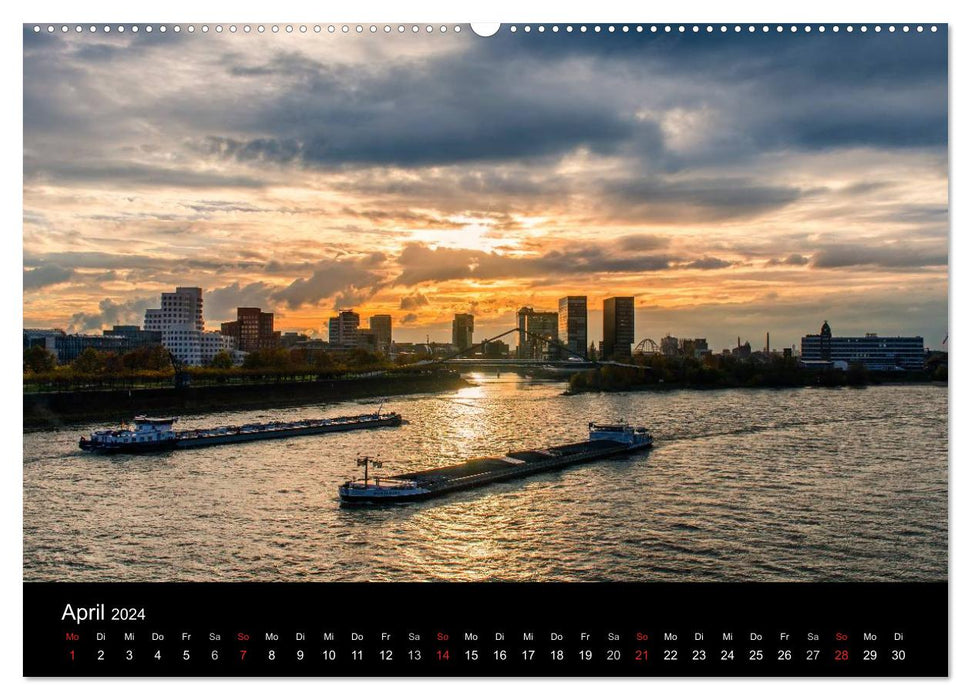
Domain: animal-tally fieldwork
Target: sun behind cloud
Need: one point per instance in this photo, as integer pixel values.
(732, 185)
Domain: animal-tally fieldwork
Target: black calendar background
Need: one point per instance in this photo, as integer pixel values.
(487, 629)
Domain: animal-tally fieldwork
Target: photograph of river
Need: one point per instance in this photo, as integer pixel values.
(743, 485)
(613, 303)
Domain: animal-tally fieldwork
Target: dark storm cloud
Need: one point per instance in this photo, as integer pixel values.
(887, 256)
(822, 89)
(119, 173)
(508, 100)
(282, 64)
(452, 108)
(419, 263)
(265, 149)
(46, 275)
(65, 75)
(916, 214)
(596, 259)
(707, 263)
(793, 259)
(526, 100)
(642, 242)
(427, 135)
(696, 198)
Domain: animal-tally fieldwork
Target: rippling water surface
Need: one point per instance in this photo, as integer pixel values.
(790, 485)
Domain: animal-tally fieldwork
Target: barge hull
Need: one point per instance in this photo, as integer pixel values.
(192, 443)
(233, 438)
(446, 481)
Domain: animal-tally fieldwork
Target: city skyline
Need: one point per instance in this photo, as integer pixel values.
(381, 327)
(730, 190)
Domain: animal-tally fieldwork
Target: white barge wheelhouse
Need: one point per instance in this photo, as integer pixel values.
(146, 434)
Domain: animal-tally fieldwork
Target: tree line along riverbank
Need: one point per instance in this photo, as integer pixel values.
(659, 373)
(54, 409)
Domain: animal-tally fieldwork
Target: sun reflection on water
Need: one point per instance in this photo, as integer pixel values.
(743, 485)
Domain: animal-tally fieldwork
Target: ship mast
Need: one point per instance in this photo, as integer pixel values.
(365, 462)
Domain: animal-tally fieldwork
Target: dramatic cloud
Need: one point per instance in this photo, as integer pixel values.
(352, 281)
(110, 313)
(125, 174)
(46, 275)
(793, 259)
(696, 199)
(419, 263)
(220, 304)
(707, 263)
(413, 301)
(879, 255)
(643, 242)
(694, 172)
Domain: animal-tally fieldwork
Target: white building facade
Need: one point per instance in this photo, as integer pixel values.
(183, 331)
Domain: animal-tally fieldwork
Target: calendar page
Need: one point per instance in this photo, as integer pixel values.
(423, 349)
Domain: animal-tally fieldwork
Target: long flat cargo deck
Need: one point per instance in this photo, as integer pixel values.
(428, 483)
(158, 434)
(514, 461)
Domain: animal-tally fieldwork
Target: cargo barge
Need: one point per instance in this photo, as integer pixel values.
(158, 434)
(605, 440)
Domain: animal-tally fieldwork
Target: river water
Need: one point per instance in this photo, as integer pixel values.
(743, 485)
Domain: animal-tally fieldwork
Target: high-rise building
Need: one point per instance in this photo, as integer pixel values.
(180, 309)
(573, 324)
(343, 330)
(521, 316)
(536, 330)
(462, 327)
(179, 319)
(873, 351)
(669, 346)
(381, 327)
(618, 327)
(367, 339)
(252, 329)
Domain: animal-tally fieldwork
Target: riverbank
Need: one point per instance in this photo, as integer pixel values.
(45, 411)
(663, 388)
(782, 376)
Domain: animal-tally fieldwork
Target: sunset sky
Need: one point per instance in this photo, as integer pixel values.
(734, 184)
